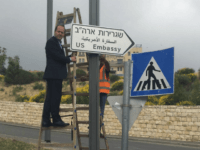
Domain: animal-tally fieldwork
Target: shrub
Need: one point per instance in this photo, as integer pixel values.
(192, 77)
(2, 89)
(16, 89)
(25, 77)
(19, 77)
(165, 99)
(117, 86)
(149, 103)
(114, 78)
(39, 98)
(82, 83)
(80, 72)
(83, 99)
(22, 98)
(113, 93)
(38, 86)
(183, 79)
(40, 75)
(194, 96)
(2, 77)
(152, 100)
(180, 94)
(66, 99)
(159, 100)
(185, 103)
(185, 71)
(121, 92)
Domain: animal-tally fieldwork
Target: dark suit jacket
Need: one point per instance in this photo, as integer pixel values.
(56, 60)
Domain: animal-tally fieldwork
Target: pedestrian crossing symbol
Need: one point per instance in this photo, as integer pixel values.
(152, 78)
(153, 73)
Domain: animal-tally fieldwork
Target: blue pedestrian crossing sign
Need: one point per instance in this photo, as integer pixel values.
(153, 73)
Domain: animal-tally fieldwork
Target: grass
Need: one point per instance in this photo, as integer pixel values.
(38, 86)
(10, 92)
(17, 89)
(12, 144)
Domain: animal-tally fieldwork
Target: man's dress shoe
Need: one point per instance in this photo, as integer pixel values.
(60, 123)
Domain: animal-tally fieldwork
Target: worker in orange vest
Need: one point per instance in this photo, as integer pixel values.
(104, 82)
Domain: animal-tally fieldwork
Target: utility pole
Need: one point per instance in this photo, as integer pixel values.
(125, 106)
(47, 137)
(94, 123)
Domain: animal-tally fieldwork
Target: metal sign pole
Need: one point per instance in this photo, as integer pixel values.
(126, 106)
(94, 127)
(49, 35)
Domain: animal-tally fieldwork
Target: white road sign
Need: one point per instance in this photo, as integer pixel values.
(95, 39)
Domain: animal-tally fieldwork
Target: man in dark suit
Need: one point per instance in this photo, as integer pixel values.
(54, 74)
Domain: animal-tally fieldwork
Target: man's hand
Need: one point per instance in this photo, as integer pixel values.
(73, 58)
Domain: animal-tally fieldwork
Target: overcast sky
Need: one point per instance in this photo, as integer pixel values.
(156, 24)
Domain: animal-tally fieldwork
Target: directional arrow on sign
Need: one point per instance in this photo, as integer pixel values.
(95, 39)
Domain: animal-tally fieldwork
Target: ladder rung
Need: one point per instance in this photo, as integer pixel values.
(83, 135)
(87, 148)
(64, 16)
(67, 34)
(77, 94)
(69, 76)
(57, 144)
(68, 50)
(82, 122)
(67, 93)
(66, 45)
(79, 79)
(57, 128)
(67, 30)
(66, 109)
(82, 94)
(67, 116)
(82, 108)
(71, 109)
(80, 64)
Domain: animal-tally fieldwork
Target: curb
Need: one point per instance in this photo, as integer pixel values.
(136, 139)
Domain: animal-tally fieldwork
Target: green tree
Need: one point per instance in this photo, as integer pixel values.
(3, 57)
(194, 95)
(185, 71)
(12, 70)
(180, 94)
(117, 86)
(114, 78)
(79, 72)
(182, 79)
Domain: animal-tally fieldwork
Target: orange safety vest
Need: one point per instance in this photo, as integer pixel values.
(104, 83)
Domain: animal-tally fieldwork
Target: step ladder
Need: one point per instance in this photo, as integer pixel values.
(79, 135)
(73, 79)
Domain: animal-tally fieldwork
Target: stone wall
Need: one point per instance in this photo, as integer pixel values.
(161, 122)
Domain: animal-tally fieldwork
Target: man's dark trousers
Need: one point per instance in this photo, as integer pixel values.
(53, 98)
